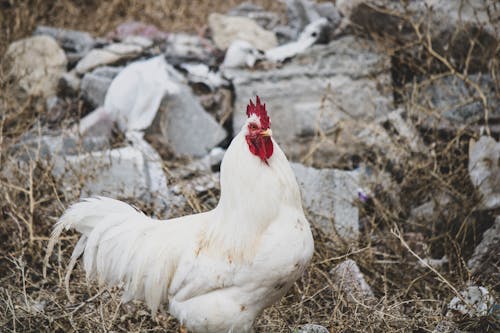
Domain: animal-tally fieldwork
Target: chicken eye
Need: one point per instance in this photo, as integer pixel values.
(253, 127)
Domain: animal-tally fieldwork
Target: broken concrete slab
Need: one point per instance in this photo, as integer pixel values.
(349, 278)
(107, 56)
(484, 170)
(329, 198)
(346, 80)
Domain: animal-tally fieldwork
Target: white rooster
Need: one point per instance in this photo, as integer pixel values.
(217, 270)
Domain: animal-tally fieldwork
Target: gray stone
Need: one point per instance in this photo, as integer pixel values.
(202, 165)
(485, 256)
(451, 103)
(328, 196)
(484, 170)
(185, 126)
(95, 84)
(344, 81)
(349, 278)
(76, 44)
(36, 64)
(227, 29)
(310, 328)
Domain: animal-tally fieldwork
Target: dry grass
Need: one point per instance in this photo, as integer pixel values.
(410, 298)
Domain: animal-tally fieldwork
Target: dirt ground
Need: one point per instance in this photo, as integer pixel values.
(408, 297)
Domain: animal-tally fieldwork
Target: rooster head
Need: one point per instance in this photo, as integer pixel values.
(258, 130)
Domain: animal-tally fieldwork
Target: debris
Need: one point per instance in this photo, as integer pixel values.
(227, 29)
(350, 279)
(475, 301)
(329, 196)
(484, 170)
(313, 33)
(182, 48)
(267, 20)
(201, 73)
(345, 81)
(107, 56)
(241, 54)
(95, 84)
(36, 64)
(75, 43)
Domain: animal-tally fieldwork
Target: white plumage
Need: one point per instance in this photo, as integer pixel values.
(217, 270)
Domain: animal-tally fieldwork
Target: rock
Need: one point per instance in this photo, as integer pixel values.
(344, 82)
(267, 20)
(328, 196)
(351, 281)
(203, 165)
(36, 64)
(300, 13)
(201, 74)
(241, 54)
(453, 26)
(76, 44)
(185, 126)
(69, 84)
(484, 170)
(182, 48)
(117, 173)
(432, 210)
(135, 28)
(313, 33)
(310, 328)
(99, 122)
(141, 41)
(226, 29)
(476, 302)
(107, 56)
(451, 104)
(483, 260)
(94, 85)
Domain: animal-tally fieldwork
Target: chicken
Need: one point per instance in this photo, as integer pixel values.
(218, 270)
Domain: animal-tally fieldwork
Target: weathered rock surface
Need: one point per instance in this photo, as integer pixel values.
(36, 64)
(183, 124)
(182, 48)
(95, 84)
(328, 196)
(76, 44)
(226, 29)
(350, 279)
(107, 56)
(485, 256)
(346, 81)
(484, 170)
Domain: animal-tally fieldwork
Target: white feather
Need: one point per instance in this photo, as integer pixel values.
(217, 270)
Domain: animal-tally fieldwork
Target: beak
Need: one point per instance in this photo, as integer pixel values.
(267, 132)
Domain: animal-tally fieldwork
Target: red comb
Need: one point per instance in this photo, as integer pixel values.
(260, 111)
